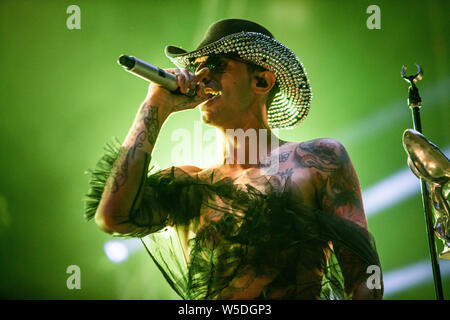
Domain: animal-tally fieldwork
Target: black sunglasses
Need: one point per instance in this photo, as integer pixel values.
(215, 63)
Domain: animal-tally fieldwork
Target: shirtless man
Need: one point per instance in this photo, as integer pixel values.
(234, 94)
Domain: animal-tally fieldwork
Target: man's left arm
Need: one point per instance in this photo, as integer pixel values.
(339, 192)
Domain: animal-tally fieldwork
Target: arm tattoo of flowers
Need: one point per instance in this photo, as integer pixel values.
(119, 173)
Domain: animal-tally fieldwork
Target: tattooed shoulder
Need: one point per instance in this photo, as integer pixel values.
(323, 154)
(337, 184)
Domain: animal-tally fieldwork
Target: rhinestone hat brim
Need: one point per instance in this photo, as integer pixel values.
(291, 105)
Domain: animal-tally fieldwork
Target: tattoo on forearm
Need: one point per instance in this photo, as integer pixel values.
(151, 122)
(119, 173)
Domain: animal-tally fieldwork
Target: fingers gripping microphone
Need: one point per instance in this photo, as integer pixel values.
(151, 73)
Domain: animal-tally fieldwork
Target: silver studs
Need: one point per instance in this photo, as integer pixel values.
(291, 105)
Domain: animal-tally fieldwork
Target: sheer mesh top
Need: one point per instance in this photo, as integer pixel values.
(250, 244)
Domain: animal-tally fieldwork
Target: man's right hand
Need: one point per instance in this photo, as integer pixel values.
(169, 102)
(122, 197)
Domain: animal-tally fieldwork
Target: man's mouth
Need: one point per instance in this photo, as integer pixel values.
(212, 93)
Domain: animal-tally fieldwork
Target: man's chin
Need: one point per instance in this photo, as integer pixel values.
(208, 118)
(204, 118)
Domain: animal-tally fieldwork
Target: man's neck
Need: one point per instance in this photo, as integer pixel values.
(249, 147)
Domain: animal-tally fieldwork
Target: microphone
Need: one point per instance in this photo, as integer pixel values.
(151, 73)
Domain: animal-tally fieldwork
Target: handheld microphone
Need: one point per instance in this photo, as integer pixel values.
(151, 73)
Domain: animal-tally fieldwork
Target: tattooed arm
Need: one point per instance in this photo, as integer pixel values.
(124, 189)
(338, 192)
(122, 193)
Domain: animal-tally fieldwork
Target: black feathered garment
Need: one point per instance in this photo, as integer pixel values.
(260, 235)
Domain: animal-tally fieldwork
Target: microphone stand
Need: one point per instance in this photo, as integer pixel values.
(415, 103)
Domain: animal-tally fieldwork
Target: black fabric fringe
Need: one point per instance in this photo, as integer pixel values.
(98, 177)
(270, 234)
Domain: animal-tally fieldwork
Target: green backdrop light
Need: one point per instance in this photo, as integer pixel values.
(63, 96)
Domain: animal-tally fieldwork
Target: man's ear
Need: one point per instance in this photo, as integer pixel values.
(263, 82)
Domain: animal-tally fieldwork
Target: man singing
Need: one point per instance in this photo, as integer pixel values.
(284, 222)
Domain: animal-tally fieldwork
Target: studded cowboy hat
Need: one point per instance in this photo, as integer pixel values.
(255, 44)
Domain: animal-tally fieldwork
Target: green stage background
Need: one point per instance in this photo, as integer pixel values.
(63, 96)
